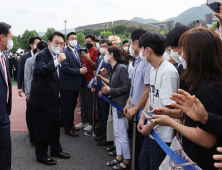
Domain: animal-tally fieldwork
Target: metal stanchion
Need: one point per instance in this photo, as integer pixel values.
(133, 161)
(92, 133)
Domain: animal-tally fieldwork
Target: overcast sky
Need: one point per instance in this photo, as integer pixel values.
(41, 14)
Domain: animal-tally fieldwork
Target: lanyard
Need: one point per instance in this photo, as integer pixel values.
(155, 84)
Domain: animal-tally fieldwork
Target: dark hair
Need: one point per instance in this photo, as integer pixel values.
(42, 44)
(125, 41)
(51, 36)
(154, 40)
(137, 33)
(103, 41)
(109, 43)
(175, 34)
(32, 40)
(91, 36)
(4, 28)
(71, 33)
(118, 54)
(202, 52)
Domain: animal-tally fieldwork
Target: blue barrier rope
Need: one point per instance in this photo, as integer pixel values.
(176, 158)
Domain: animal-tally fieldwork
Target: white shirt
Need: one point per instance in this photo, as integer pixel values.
(32, 53)
(1, 58)
(163, 82)
(130, 70)
(56, 63)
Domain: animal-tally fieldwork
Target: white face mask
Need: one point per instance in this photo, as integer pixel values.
(103, 51)
(175, 56)
(10, 44)
(73, 43)
(35, 46)
(132, 52)
(56, 50)
(143, 58)
(106, 59)
(166, 56)
(125, 48)
(97, 45)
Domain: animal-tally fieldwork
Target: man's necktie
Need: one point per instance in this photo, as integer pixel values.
(6, 77)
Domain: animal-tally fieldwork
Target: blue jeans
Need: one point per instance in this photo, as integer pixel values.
(152, 155)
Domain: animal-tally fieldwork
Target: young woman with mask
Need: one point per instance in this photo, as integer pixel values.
(118, 89)
(201, 49)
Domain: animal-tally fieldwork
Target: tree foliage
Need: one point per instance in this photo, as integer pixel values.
(48, 32)
(25, 39)
(130, 29)
(120, 29)
(81, 39)
(177, 23)
(16, 44)
(106, 34)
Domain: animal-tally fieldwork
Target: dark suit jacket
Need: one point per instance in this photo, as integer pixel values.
(104, 65)
(71, 79)
(119, 86)
(3, 92)
(45, 86)
(20, 76)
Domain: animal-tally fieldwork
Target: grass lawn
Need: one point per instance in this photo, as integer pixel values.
(14, 83)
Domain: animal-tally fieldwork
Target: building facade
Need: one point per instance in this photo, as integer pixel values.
(210, 19)
(163, 25)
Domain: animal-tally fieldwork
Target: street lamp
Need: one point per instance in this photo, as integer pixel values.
(65, 25)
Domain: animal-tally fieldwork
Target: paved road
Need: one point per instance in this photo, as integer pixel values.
(85, 154)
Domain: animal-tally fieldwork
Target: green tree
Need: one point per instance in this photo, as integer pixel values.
(48, 32)
(177, 23)
(214, 26)
(162, 32)
(130, 29)
(106, 34)
(122, 37)
(120, 29)
(25, 39)
(16, 44)
(81, 39)
(87, 31)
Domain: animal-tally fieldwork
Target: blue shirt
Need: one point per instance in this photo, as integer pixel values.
(140, 78)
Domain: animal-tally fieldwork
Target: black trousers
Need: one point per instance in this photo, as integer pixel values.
(28, 115)
(47, 131)
(69, 104)
(103, 113)
(31, 125)
(86, 105)
(15, 74)
(5, 141)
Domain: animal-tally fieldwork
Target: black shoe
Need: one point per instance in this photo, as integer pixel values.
(47, 161)
(99, 138)
(60, 155)
(98, 134)
(104, 143)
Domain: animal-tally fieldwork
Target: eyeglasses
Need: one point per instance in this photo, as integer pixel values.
(62, 44)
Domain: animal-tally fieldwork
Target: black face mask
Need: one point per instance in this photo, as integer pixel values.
(89, 46)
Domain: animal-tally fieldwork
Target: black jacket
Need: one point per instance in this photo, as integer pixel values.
(20, 78)
(45, 86)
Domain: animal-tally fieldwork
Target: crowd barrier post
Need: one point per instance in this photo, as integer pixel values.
(133, 160)
(93, 132)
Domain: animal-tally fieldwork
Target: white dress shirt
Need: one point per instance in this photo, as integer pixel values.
(56, 63)
(1, 59)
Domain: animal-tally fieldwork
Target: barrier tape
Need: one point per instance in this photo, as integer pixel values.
(176, 158)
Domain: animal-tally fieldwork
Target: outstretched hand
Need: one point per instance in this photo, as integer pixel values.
(105, 89)
(190, 105)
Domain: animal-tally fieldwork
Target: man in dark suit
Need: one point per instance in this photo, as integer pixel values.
(6, 43)
(72, 80)
(33, 41)
(45, 100)
(102, 105)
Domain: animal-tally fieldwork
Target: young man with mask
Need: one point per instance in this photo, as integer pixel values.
(140, 86)
(6, 43)
(102, 105)
(88, 61)
(33, 41)
(45, 99)
(172, 40)
(72, 80)
(164, 80)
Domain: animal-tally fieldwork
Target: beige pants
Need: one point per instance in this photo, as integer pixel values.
(110, 131)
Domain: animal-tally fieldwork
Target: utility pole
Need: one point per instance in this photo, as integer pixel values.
(65, 25)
